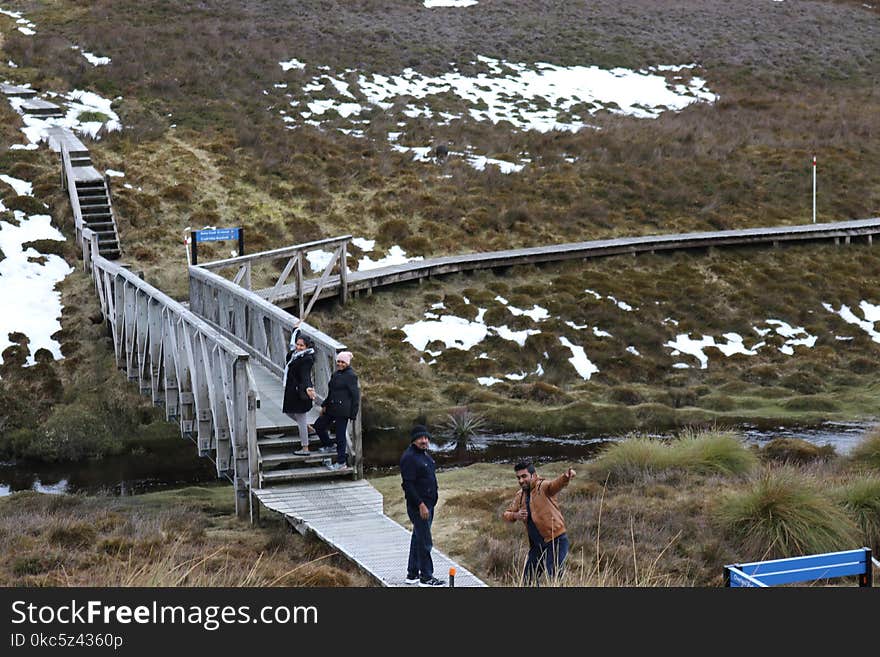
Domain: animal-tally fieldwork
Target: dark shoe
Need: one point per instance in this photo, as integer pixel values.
(432, 581)
(412, 579)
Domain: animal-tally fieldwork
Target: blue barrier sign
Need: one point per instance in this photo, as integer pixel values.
(217, 234)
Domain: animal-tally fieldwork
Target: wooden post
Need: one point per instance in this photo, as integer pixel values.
(358, 446)
(299, 283)
(343, 273)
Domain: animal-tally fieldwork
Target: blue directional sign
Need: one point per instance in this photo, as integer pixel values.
(216, 234)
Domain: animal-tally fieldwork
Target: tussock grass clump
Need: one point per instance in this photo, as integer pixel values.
(704, 453)
(867, 453)
(861, 499)
(795, 450)
(782, 513)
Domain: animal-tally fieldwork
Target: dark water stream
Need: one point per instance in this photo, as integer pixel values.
(179, 464)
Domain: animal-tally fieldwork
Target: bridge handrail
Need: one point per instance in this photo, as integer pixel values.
(275, 254)
(215, 377)
(264, 330)
(69, 181)
(285, 319)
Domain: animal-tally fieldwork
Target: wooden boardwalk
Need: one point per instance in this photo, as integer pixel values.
(349, 516)
(14, 91)
(843, 231)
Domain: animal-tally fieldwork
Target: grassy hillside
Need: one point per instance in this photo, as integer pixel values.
(204, 143)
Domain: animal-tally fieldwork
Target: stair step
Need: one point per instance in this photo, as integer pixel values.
(274, 460)
(271, 440)
(301, 474)
(100, 225)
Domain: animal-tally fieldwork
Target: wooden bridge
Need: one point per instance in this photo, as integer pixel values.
(215, 364)
(302, 293)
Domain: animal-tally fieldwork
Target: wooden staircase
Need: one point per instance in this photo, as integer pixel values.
(279, 465)
(97, 211)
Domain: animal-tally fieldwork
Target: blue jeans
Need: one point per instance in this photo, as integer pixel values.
(420, 564)
(547, 559)
(322, 424)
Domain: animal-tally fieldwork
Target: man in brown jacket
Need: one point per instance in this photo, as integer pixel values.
(536, 506)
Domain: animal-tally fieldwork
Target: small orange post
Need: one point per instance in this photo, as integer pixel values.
(452, 577)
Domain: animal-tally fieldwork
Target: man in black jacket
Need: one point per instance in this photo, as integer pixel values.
(420, 489)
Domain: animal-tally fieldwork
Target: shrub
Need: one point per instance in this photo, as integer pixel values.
(393, 231)
(702, 452)
(867, 453)
(71, 534)
(27, 204)
(718, 403)
(34, 564)
(817, 403)
(625, 395)
(796, 451)
(804, 382)
(71, 433)
(781, 514)
(714, 452)
(861, 499)
(863, 365)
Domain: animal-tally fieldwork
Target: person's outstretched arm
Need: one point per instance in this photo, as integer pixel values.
(560, 482)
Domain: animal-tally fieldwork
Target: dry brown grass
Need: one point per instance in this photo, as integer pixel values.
(176, 538)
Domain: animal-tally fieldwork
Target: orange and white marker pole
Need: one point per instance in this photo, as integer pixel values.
(814, 189)
(452, 577)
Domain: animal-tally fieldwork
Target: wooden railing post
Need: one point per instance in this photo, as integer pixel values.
(300, 295)
(343, 273)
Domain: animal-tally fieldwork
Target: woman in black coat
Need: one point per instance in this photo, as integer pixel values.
(339, 407)
(299, 391)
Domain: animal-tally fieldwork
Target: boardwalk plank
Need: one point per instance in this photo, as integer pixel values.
(348, 516)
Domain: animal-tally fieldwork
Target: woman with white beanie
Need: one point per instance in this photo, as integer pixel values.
(339, 407)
